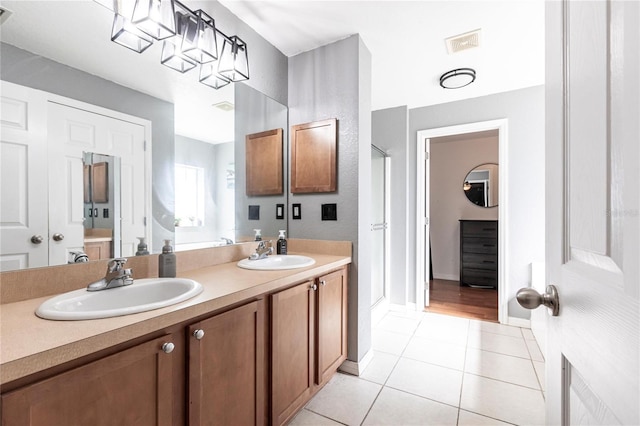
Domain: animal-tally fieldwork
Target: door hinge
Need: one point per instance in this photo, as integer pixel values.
(144, 147)
(144, 221)
(426, 220)
(426, 155)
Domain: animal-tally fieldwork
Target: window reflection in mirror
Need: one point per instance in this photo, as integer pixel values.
(480, 186)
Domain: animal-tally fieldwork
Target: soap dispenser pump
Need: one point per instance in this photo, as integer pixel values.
(281, 245)
(143, 249)
(167, 261)
(258, 236)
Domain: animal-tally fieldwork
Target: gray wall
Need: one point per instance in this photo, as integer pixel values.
(524, 110)
(390, 133)
(451, 161)
(334, 81)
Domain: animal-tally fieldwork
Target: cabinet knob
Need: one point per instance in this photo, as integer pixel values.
(314, 286)
(37, 239)
(168, 347)
(198, 334)
(58, 237)
(323, 282)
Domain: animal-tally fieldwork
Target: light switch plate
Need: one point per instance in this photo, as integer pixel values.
(254, 212)
(296, 211)
(330, 211)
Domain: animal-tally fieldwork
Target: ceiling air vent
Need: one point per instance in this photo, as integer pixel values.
(463, 41)
(4, 14)
(224, 106)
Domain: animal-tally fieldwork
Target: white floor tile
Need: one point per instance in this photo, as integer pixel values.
(345, 399)
(527, 334)
(503, 401)
(408, 314)
(539, 367)
(492, 342)
(534, 350)
(465, 418)
(497, 366)
(435, 352)
(307, 418)
(380, 367)
(389, 342)
(444, 329)
(398, 324)
(427, 380)
(492, 327)
(394, 407)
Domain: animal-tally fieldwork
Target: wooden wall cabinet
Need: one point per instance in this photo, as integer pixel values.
(134, 386)
(263, 163)
(227, 376)
(309, 341)
(313, 157)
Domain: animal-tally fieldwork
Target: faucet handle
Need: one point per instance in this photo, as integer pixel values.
(116, 264)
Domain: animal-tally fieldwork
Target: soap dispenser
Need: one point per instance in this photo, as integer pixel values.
(281, 245)
(258, 236)
(167, 261)
(142, 247)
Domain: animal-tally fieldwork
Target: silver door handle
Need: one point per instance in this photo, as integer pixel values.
(530, 299)
(58, 237)
(37, 239)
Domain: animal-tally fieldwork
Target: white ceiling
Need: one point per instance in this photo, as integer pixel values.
(407, 41)
(405, 38)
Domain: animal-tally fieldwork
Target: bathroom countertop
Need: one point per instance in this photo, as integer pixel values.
(30, 344)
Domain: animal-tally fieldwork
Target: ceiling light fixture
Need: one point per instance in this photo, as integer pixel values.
(457, 78)
(190, 38)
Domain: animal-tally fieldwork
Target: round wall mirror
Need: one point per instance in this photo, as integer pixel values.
(480, 186)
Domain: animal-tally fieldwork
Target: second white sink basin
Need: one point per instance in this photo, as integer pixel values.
(277, 262)
(143, 295)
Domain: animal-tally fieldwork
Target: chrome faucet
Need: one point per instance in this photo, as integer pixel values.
(116, 276)
(227, 241)
(263, 250)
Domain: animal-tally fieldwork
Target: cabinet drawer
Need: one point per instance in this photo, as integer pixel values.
(479, 245)
(480, 229)
(479, 261)
(480, 277)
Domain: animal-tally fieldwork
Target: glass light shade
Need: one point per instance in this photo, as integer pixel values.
(234, 61)
(155, 17)
(457, 78)
(126, 34)
(172, 57)
(209, 76)
(199, 37)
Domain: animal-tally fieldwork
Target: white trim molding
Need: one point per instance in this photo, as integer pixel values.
(356, 368)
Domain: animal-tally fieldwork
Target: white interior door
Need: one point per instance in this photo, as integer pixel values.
(593, 219)
(23, 179)
(72, 132)
(379, 226)
(423, 267)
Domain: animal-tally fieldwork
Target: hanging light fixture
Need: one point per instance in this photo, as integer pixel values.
(466, 186)
(155, 17)
(457, 78)
(234, 62)
(189, 38)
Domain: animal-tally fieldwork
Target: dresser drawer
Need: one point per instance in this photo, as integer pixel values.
(479, 261)
(479, 245)
(479, 228)
(478, 277)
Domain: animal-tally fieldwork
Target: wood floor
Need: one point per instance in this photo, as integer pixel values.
(448, 297)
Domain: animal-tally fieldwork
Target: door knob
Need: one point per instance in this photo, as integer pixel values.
(531, 299)
(37, 239)
(58, 237)
(198, 334)
(168, 347)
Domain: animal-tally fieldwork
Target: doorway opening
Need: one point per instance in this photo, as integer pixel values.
(465, 281)
(380, 206)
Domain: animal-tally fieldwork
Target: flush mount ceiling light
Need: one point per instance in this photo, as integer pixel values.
(457, 78)
(190, 38)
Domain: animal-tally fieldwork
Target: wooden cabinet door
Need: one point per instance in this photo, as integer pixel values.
(227, 377)
(292, 319)
(331, 324)
(132, 387)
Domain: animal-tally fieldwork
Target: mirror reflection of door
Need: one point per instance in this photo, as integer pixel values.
(379, 224)
(101, 205)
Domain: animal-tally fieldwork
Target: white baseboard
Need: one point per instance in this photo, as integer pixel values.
(450, 277)
(519, 322)
(356, 368)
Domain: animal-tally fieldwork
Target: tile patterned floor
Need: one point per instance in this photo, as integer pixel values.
(431, 369)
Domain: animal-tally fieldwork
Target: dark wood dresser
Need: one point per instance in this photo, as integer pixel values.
(479, 253)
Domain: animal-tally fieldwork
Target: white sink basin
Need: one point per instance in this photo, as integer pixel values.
(143, 295)
(277, 262)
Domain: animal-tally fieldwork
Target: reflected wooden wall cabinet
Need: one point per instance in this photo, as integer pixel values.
(264, 163)
(313, 157)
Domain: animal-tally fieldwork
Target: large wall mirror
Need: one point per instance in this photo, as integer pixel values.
(480, 185)
(196, 134)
